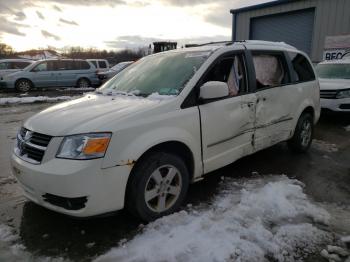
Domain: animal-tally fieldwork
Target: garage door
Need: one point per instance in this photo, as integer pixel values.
(294, 28)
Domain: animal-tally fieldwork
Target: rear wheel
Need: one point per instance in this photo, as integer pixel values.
(83, 83)
(158, 186)
(23, 85)
(303, 134)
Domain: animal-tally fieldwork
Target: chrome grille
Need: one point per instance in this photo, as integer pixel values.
(328, 94)
(31, 146)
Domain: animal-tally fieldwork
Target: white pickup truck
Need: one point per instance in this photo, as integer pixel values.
(164, 122)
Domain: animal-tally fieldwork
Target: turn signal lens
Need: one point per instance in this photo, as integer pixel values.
(96, 145)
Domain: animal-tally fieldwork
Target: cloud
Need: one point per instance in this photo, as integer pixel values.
(40, 15)
(68, 22)
(20, 16)
(47, 34)
(55, 7)
(9, 27)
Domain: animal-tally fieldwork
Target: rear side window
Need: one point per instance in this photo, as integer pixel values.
(302, 69)
(102, 64)
(270, 70)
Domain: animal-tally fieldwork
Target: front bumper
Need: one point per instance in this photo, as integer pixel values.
(98, 190)
(337, 105)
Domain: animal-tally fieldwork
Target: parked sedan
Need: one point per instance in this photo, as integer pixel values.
(8, 66)
(53, 73)
(104, 76)
(334, 79)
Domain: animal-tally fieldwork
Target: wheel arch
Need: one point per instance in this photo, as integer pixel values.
(176, 147)
(24, 78)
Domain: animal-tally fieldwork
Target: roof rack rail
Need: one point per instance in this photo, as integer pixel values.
(209, 43)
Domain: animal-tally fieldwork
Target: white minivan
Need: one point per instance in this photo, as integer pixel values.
(163, 123)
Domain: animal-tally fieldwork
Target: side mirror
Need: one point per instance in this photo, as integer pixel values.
(213, 90)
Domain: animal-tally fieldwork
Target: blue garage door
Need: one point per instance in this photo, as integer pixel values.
(294, 28)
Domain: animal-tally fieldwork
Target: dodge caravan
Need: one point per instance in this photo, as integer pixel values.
(163, 123)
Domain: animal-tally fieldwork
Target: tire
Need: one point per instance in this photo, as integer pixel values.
(23, 85)
(303, 134)
(158, 186)
(83, 83)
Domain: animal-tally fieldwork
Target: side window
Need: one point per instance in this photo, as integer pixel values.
(270, 70)
(94, 62)
(102, 64)
(302, 69)
(41, 67)
(84, 65)
(230, 69)
(3, 66)
(71, 65)
(59, 65)
(19, 65)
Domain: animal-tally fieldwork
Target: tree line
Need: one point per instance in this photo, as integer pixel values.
(79, 52)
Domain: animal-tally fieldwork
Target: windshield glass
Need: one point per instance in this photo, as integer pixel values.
(337, 71)
(164, 73)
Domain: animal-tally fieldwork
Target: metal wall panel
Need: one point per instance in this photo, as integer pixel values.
(294, 28)
(332, 17)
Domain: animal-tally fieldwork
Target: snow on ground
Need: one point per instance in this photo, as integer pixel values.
(85, 89)
(27, 100)
(260, 219)
(347, 128)
(11, 250)
(324, 146)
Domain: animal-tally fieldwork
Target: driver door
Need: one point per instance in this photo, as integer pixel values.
(43, 74)
(227, 124)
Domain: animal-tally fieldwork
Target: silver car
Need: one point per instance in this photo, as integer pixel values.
(8, 66)
(104, 76)
(52, 73)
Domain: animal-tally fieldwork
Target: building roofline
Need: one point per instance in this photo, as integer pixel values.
(258, 6)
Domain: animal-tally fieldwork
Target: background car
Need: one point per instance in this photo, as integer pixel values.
(334, 79)
(104, 76)
(8, 66)
(53, 73)
(100, 64)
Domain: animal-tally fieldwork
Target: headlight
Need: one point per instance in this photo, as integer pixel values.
(344, 94)
(85, 146)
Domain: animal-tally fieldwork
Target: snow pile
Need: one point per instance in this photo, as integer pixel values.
(324, 146)
(258, 219)
(33, 99)
(156, 96)
(347, 128)
(10, 250)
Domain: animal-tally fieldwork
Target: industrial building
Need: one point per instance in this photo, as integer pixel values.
(305, 24)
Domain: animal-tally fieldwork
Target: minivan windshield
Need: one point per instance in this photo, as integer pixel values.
(334, 71)
(165, 73)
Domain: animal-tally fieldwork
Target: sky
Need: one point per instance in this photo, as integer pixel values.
(114, 24)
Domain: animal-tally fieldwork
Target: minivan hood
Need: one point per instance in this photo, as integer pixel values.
(91, 113)
(334, 84)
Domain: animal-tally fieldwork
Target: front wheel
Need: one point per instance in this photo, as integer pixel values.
(303, 134)
(23, 85)
(158, 186)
